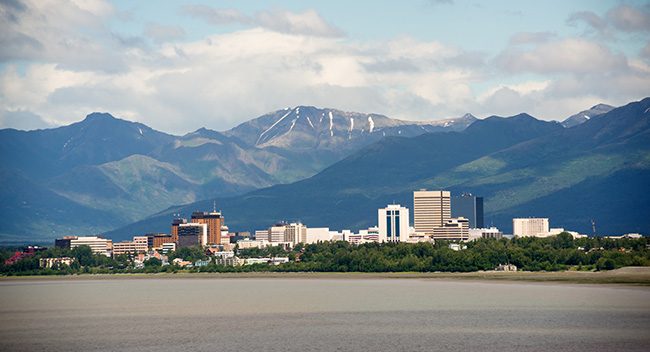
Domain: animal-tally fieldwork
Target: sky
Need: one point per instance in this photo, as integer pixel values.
(178, 66)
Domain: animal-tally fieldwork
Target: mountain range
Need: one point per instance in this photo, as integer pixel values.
(523, 167)
(103, 172)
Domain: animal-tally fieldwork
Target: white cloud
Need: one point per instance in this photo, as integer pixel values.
(161, 33)
(532, 38)
(309, 22)
(566, 55)
(629, 19)
(215, 16)
(284, 59)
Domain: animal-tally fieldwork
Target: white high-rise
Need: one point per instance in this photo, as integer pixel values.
(430, 209)
(393, 223)
(523, 227)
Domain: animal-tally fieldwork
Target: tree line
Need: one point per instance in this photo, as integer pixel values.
(561, 252)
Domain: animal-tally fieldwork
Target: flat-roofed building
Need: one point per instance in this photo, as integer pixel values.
(315, 234)
(64, 242)
(140, 244)
(295, 233)
(159, 240)
(453, 229)
(492, 232)
(430, 209)
(175, 224)
(393, 223)
(232, 261)
(214, 221)
(524, 227)
(97, 243)
(50, 262)
(192, 234)
(469, 207)
(166, 247)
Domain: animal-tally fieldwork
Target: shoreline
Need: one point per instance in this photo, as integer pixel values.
(628, 276)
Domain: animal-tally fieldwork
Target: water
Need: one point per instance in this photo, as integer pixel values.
(305, 314)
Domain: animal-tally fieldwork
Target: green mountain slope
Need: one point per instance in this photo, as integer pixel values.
(348, 193)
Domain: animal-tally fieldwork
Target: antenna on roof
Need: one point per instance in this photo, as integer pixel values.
(214, 206)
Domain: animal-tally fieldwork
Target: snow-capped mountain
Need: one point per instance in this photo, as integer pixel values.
(308, 128)
(585, 115)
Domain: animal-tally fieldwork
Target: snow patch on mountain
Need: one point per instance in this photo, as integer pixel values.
(351, 127)
(310, 124)
(372, 123)
(273, 125)
(293, 123)
(331, 124)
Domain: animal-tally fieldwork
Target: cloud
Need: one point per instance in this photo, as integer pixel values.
(629, 19)
(624, 18)
(73, 66)
(22, 120)
(561, 56)
(160, 33)
(531, 38)
(213, 16)
(590, 18)
(308, 22)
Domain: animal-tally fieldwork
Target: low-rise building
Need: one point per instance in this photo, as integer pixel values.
(98, 244)
(139, 244)
(166, 247)
(232, 261)
(506, 267)
(452, 229)
(50, 262)
(492, 232)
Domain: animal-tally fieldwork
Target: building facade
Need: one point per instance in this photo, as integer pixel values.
(524, 227)
(192, 234)
(139, 244)
(393, 223)
(453, 229)
(469, 207)
(97, 243)
(430, 209)
(214, 221)
(492, 232)
(175, 224)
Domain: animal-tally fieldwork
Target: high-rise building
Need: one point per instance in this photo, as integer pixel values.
(295, 233)
(430, 209)
(453, 229)
(214, 221)
(192, 234)
(469, 207)
(529, 226)
(393, 223)
(175, 225)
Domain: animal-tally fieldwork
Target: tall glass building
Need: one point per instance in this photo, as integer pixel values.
(470, 207)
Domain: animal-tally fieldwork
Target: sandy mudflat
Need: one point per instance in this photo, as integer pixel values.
(639, 276)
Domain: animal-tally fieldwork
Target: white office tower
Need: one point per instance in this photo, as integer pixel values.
(393, 224)
(529, 227)
(295, 233)
(430, 209)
